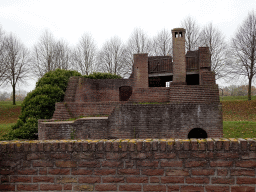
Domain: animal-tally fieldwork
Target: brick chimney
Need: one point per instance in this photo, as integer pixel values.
(179, 60)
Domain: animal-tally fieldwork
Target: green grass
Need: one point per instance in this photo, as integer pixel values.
(239, 129)
(236, 98)
(5, 128)
(8, 104)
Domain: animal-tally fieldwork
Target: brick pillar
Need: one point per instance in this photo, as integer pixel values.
(140, 70)
(204, 58)
(206, 75)
(179, 60)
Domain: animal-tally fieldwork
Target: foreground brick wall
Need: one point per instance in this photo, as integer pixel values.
(129, 165)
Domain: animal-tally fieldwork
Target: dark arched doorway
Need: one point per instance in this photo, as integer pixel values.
(197, 133)
(125, 93)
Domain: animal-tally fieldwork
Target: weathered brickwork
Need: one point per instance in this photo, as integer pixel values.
(194, 94)
(140, 121)
(129, 165)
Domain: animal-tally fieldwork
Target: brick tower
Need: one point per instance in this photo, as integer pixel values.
(179, 60)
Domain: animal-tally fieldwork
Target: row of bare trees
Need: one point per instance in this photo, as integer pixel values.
(237, 57)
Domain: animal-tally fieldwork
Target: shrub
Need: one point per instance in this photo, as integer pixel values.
(59, 78)
(40, 103)
(26, 130)
(98, 75)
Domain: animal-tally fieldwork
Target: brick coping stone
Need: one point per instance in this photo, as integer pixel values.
(168, 144)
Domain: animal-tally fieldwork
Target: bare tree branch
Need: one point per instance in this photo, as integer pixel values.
(137, 43)
(211, 37)
(49, 54)
(3, 67)
(84, 55)
(62, 55)
(43, 54)
(162, 43)
(192, 33)
(111, 57)
(244, 51)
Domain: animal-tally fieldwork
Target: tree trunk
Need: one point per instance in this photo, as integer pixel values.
(13, 94)
(250, 89)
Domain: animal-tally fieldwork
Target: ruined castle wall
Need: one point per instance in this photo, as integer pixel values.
(129, 165)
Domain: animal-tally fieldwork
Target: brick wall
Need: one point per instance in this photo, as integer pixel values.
(84, 128)
(95, 90)
(129, 165)
(161, 121)
(78, 109)
(140, 121)
(151, 94)
(207, 78)
(194, 94)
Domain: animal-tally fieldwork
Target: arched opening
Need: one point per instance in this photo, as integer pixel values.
(197, 133)
(125, 93)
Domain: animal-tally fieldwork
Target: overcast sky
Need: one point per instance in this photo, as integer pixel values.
(68, 20)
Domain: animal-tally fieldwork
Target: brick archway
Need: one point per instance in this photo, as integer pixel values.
(197, 133)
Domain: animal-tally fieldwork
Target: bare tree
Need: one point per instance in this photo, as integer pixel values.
(162, 43)
(137, 43)
(2, 56)
(49, 54)
(62, 55)
(211, 37)
(111, 57)
(244, 51)
(43, 54)
(17, 60)
(84, 55)
(192, 33)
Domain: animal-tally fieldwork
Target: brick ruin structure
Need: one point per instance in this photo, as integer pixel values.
(143, 106)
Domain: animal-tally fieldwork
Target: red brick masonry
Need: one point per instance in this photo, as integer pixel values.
(128, 165)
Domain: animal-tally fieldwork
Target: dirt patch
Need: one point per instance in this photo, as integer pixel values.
(9, 114)
(239, 110)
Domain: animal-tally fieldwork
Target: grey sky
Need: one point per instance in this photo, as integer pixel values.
(68, 20)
